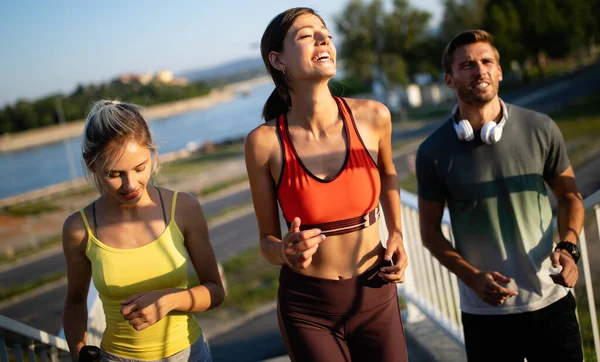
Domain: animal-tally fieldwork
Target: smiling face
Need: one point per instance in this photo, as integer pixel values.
(476, 73)
(308, 51)
(125, 180)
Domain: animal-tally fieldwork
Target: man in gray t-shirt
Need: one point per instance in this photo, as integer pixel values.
(490, 163)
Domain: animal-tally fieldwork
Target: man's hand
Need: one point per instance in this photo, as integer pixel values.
(569, 274)
(485, 285)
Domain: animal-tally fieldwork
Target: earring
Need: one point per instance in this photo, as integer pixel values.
(283, 72)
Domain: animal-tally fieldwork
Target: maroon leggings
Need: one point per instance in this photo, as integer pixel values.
(356, 319)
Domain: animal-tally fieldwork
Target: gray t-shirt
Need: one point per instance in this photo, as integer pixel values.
(499, 207)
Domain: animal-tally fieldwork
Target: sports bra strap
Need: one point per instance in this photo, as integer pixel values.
(173, 204)
(344, 226)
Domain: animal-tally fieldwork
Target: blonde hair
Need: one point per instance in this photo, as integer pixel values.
(466, 38)
(109, 126)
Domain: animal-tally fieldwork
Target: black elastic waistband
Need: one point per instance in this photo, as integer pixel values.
(344, 226)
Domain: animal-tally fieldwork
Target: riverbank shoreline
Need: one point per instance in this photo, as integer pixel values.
(57, 133)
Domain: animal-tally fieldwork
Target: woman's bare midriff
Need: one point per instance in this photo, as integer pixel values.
(345, 256)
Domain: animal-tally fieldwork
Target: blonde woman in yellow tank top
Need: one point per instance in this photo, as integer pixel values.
(136, 242)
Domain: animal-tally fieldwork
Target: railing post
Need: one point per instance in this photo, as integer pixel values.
(590, 291)
(44, 354)
(54, 354)
(3, 350)
(31, 351)
(18, 352)
(413, 313)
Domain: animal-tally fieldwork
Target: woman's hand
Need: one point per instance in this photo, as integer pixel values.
(298, 247)
(145, 309)
(395, 254)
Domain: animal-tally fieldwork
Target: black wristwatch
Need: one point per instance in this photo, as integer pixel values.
(570, 248)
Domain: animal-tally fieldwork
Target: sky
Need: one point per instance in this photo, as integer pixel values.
(51, 46)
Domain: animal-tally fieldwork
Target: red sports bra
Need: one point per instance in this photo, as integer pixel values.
(346, 203)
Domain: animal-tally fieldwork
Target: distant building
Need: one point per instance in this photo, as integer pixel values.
(164, 76)
(145, 78)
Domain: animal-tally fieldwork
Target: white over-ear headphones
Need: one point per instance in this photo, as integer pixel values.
(491, 132)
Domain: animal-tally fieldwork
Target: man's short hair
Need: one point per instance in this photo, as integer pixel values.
(466, 38)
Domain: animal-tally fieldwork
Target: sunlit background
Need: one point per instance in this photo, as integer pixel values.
(196, 68)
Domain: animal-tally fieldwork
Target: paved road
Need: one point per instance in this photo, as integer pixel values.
(557, 93)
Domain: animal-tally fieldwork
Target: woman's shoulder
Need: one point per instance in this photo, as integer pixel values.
(263, 139)
(185, 200)
(74, 230)
(263, 132)
(369, 111)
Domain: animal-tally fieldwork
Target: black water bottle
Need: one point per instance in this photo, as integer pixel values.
(90, 354)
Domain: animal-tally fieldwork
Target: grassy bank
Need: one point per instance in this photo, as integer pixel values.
(251, 282)
(579, 123)
(30, 249)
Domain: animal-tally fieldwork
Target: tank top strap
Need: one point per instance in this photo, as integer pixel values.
(173, 205)
(85, 222)
(88, 229)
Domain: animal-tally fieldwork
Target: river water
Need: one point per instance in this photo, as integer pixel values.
(46, 165)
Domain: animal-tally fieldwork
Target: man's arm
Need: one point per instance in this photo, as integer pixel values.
(484, 283)
(570, 206)
(570, 218)
(430, 220)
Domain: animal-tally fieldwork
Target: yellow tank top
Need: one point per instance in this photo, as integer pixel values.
(120, 273)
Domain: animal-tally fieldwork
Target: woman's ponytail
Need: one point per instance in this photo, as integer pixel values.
(274, 106)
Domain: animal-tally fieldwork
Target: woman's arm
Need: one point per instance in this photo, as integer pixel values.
(262, 150)
(210, 293)
(145, 309)
(390, 195)
(79, 273)
(258, 152)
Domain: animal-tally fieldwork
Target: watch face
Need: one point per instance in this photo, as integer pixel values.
(570, 248)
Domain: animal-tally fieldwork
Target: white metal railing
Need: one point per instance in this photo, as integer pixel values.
(96, 321)
(18, 339)
(431, 289)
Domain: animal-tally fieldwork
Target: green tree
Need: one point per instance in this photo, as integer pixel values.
(461, 15)
(361, 26)
(6, 125)
(503, 22)
(42, 112)
(385, 45)
(23, 115)
(531, 29)
(407, 35)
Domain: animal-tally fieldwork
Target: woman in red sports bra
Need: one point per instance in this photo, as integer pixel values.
(327, 161)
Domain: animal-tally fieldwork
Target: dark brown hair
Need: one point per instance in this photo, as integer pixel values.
(272, 40)
(466, 38)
